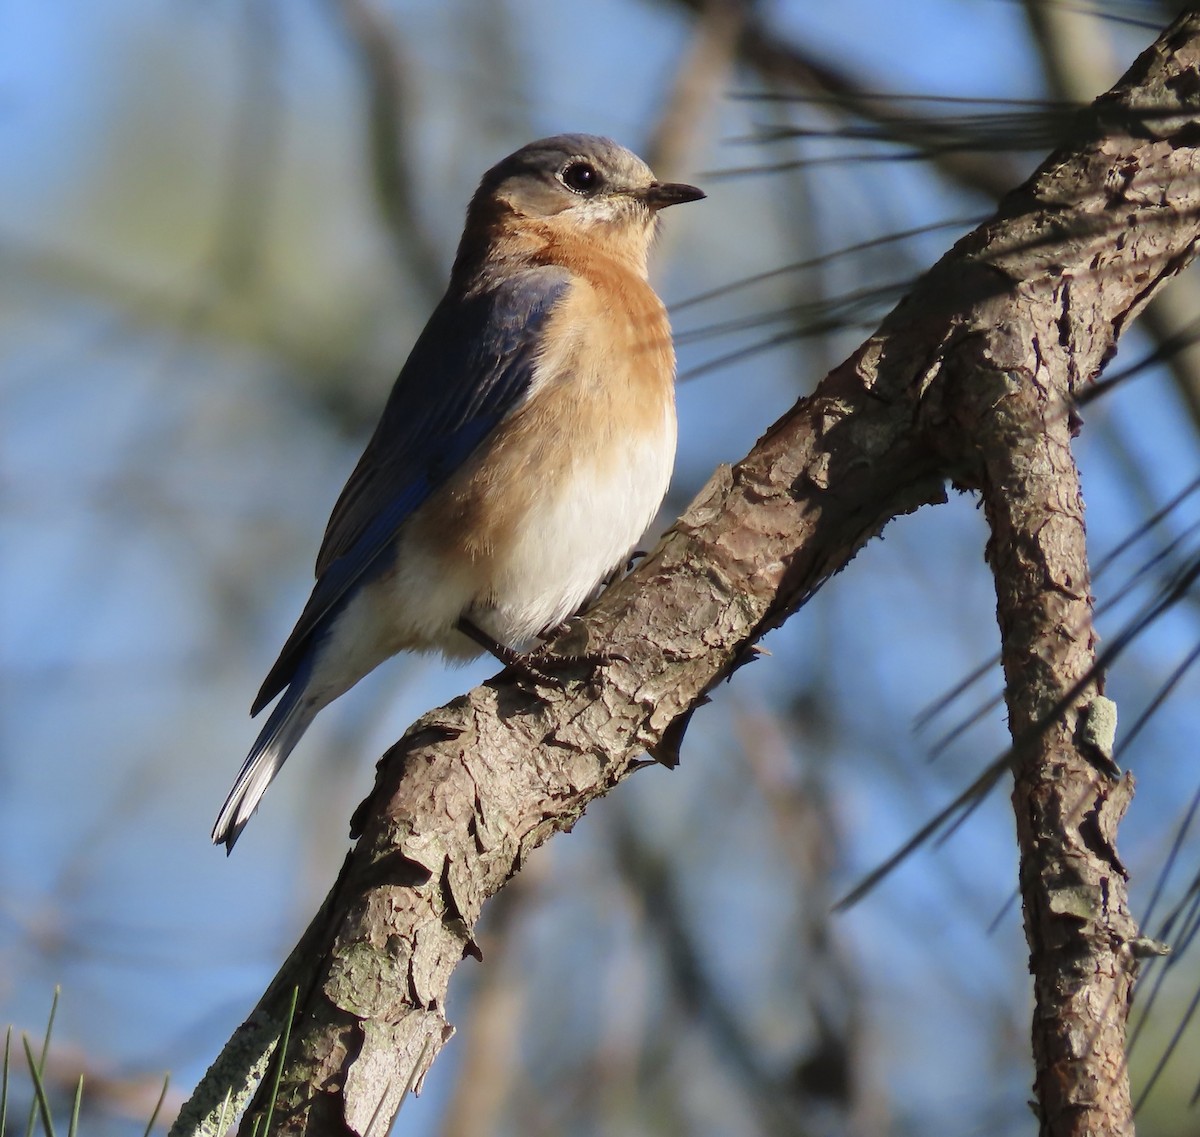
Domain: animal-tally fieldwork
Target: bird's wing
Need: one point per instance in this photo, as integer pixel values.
(470, 368)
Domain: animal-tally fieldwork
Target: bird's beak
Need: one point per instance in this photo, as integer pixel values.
(658, 195)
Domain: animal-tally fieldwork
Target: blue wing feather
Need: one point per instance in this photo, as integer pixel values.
(470, 368)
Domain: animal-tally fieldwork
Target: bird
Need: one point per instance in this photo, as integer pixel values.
(525, 447)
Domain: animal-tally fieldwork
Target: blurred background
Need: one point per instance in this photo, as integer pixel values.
(221, 226)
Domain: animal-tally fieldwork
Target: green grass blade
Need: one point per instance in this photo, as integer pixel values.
(41, 1103)
(282, 1053)
(73, 1128)
(162, 1097)
(35, 1072)
(226, 1106)
(4, 1081)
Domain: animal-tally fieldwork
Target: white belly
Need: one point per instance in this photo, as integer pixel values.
(572, 537)
(562, 545)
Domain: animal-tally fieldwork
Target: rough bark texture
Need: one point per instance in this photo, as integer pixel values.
(1088, 242)
(966, 381)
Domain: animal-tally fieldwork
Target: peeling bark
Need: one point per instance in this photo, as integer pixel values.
(967, 381)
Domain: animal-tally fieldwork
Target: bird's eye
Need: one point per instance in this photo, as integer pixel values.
(580, 176)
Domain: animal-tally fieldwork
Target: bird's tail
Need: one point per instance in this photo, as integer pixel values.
(289, 720)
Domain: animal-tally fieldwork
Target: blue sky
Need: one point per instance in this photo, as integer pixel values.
(170, 446)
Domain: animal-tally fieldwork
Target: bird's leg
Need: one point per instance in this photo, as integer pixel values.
(502, 652)
(523, 665)
(592, 659)
(540, 665)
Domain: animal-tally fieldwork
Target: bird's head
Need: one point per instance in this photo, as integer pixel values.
(573, 189)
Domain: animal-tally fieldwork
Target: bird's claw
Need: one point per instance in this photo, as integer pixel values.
(545, 666)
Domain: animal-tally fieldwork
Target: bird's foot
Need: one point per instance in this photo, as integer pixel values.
(542, 666)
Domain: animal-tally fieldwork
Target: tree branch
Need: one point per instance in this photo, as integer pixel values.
(966, 380)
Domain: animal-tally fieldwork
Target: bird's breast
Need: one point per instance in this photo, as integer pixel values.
(563, 489)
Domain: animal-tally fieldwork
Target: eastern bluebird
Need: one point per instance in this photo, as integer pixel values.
(524, 449)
